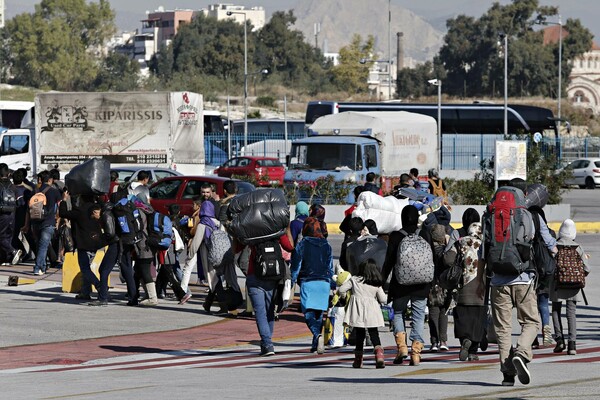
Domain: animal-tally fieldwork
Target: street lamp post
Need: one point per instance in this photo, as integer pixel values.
(245, 76)
(541, 20)
(438, 83)
(504, 38)
(389, 49)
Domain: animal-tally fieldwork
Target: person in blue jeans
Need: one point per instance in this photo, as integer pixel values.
(312, 267)
(401, 295)
(262, 296)
(44, 229)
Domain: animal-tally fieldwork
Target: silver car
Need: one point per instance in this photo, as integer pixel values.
(586, 173)
(127, 174)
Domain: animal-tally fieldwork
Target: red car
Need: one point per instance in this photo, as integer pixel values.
(266, 170)
(183, 190)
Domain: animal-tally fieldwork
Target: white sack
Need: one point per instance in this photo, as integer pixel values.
(385, 211)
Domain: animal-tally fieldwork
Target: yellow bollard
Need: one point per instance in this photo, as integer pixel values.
(72, 279)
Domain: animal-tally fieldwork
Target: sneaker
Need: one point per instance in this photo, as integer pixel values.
(522, 371)
(267, 351)
(434, 348)
(16, 259)
(444, 347)
(509, 380)
(473, 357)
(320, 345)
(464, 350)
(39, 273)
(98, 303)
(185, 298)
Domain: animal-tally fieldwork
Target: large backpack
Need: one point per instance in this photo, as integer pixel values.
(160, 231)
(37, 205)
(414, 264)
(570, 273)
(8, 198)
(268, 261)
(217, 246)
(545, 264)
(129, 222)
(508, 233)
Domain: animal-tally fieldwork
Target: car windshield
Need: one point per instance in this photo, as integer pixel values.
(166, 189)
(325, 156)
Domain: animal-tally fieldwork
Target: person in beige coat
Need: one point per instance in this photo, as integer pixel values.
(364, 310)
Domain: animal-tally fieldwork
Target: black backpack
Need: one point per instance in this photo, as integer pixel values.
(452, 277)
(8, 198)
(268, 261)
(130, 227)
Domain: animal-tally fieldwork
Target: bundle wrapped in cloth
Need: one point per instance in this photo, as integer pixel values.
(89, 178)
(385, 211)
(258, 216)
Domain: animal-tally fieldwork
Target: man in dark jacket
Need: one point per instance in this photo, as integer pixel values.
(44, 228)
(402, 294)
(370, 185)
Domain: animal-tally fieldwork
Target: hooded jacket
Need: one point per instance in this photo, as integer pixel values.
(410, 219)
(312, 260)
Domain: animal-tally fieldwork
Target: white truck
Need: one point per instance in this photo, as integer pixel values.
(159, 129)
(351, 144)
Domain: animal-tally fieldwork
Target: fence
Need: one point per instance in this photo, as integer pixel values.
(459, 151)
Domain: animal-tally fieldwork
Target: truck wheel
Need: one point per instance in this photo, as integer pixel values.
(589, 183)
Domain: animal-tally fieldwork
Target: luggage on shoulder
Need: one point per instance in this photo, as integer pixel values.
(217, 246)
(570, 272)
(37, 205)
(91, 177)
(129, 222)
(268, 261)
(8, 198)
(160, 231)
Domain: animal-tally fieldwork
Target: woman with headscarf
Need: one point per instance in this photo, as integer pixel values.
(312, 268)
(298, 222)
(469, 216)
(402, 294)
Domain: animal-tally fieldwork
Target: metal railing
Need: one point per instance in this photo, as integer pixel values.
(459, 151)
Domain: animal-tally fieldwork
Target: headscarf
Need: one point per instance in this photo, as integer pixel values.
(301, 209)
(312, 228)
(567, 230)
(469, 216)
(317, 211)
(207, 213)
(410, 216)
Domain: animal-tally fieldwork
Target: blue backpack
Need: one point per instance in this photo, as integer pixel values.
(160, 231)
(129, 222)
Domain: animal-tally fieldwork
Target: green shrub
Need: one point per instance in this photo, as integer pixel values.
(265, 101)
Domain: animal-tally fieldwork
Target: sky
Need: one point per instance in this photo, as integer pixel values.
(130, 12)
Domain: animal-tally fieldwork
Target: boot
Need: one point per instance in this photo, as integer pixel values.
(152, 299)
(358, 359)
(379, 357)
(571, 349)
(547, 335)
(402, 348)
(560, 345)
(415, 354)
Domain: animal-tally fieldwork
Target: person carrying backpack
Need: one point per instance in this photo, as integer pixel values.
(8, 207)
(568, 283)
(301, 213)
(401, 293)
(312, 268)
(508, 231)
(42, 215)
(437, 187)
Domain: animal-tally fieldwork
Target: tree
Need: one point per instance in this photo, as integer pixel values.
(119, 73)
(350, 74)
(59, 45)
(474, 60)
(412, 82)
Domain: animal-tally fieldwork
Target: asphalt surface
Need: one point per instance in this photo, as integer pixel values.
(54, 346)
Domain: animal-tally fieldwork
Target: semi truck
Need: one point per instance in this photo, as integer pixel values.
(350, 145)
(159, 129)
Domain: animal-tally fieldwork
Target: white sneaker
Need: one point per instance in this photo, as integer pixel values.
(39, 273)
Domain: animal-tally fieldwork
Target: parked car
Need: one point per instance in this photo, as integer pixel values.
(586, 173)
(183, 190)
(266, 170)
(127, 174)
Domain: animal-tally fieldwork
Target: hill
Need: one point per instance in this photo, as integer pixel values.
(340, 19)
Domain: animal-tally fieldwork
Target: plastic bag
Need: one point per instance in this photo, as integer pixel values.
(89, 178)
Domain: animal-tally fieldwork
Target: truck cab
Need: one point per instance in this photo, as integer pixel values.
(15, 148)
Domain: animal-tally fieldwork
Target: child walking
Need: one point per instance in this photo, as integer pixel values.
(364, 310)
(569, 280)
